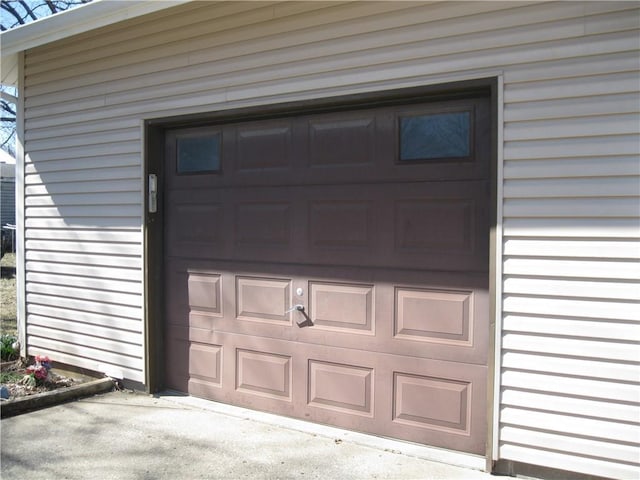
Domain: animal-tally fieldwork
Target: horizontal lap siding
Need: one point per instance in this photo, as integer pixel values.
(571, 306)
(83, 245)
(7, 201)
(571, 241)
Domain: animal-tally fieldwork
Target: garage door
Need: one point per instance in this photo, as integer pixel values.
(334, 267)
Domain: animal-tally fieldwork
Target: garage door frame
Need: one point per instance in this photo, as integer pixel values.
(154, 132)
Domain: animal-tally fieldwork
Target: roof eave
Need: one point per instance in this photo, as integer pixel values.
(97, 14)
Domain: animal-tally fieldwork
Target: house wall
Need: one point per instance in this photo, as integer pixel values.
(7, 190)
(8, 210)
(7, 201)
(569, 393)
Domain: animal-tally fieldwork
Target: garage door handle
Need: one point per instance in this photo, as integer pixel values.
(299, 308)
(304, 323)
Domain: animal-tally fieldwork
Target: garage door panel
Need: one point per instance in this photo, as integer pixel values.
(263, 373)
(334, 267)
(194, 295)
(346, 224)
(260, 373)
(198, 224)
(205, 292)
(434, 224)
(384, 311)
(427, 401)
(340, 387)
(205, 363)
(341, 140)
(455, 391)
(342, 307)
(333, 148)
(263, 147)
(440, 227)
(263, 225)
(260, 299)
(434, 315)
(424, 225)
(449, 412)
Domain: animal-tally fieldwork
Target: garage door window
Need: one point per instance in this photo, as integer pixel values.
(435, 136)
(198, 154)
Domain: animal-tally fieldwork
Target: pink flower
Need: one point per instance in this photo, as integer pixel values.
(42, 360)
(38, 371)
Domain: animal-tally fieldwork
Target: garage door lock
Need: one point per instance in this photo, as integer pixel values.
(152, 201)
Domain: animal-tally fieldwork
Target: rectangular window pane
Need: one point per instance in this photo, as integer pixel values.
(441, 135)
(199, 154)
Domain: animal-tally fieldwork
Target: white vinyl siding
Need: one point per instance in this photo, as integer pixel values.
(7, 201)
(571, 229)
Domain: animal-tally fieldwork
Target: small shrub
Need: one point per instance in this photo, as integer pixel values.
(7, 350)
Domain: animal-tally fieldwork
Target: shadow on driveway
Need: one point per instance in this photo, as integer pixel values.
(123, 435)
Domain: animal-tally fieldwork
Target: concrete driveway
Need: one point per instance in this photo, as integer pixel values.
(123, 435)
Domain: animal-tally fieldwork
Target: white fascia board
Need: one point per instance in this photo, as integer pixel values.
(97, 14)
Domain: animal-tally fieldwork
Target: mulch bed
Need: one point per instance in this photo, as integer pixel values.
(56, 389)
(14, 380)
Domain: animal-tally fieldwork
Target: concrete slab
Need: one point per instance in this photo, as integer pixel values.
(124, 435)
(36, 401)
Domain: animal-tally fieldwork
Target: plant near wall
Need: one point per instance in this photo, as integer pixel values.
(8, 350)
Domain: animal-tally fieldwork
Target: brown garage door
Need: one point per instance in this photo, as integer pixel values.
(334, 267)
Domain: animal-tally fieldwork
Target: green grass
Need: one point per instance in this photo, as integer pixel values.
(8, 305)
(10, 377)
